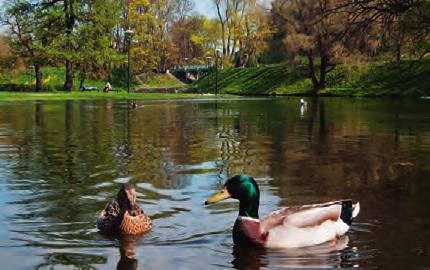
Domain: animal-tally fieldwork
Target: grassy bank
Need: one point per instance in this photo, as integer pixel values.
(14, 96)
(159, 80)
(385, 79)
(53, 80)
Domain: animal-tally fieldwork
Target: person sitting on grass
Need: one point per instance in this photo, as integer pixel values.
(88, 88)
(107, 88)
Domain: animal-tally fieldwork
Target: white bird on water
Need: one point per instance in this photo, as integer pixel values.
(303, 107)
(303, 102)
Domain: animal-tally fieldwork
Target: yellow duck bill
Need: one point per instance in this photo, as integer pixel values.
(222, 195)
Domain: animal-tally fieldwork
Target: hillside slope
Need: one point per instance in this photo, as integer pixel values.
(385, 79)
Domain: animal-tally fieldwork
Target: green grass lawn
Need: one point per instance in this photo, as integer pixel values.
(161, 80)
(53, 80)
(28, 96)
(379, 79)
(261, 80)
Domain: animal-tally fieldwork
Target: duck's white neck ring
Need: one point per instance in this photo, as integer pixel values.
(248, 218)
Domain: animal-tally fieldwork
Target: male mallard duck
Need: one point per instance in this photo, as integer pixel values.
(123, 214)
(296, 226)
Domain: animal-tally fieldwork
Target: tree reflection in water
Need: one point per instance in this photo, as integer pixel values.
(61, 161)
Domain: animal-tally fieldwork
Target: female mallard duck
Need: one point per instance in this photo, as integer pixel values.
(123, 214)
(297, 226)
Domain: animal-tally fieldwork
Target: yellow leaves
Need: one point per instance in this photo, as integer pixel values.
(148, 35)
(47, 79)
(197, 40)
(138, 7)
(140, 14)
(143, 58)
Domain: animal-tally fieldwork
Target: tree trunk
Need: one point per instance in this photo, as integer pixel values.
(217, 3)
(398, 51)
(224, 49)
(69, 23)
(39, 77)
(311, 67)
(81, 83)
(68, 85)
(229, 51)
(323, 72)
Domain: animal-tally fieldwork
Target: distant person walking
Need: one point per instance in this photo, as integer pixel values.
(107, 88)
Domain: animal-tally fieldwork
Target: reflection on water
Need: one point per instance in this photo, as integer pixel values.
(326, 255)
(61, 162)
(127, 250)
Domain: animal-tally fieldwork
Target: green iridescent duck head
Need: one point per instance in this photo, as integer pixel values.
(243, 188)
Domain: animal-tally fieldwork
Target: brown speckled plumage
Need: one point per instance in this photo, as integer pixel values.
(135, 224)
(123, 214)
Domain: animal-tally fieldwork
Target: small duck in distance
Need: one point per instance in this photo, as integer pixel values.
(133, 104)
(290, 227)
(123, 215)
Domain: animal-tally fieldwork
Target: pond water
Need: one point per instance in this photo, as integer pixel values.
(61, 162)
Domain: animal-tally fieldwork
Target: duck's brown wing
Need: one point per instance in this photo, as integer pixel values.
(135, 224)
(309, 215)
(109, 219)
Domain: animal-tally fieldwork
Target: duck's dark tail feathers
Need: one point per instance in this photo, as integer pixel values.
(349, 211)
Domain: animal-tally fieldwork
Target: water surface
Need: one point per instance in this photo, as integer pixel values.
(61, 162)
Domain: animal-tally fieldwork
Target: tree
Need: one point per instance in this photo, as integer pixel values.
(152, 22)
(164, 12)
(394, 7)
(183, 9)
(195, 37)
(6, 57)
(81, 32)
(244, 28)
(230, 14)
(253, 32)
(315, 33)
(415, 23)
(402, 23)
(95, 53)
(145, 26)
(27, 42)
(276, 51)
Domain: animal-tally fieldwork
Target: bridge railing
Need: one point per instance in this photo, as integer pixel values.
(191, 73)
(193, 68)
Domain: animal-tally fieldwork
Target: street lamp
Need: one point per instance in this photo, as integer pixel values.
(185, 68)
(208, 60)
(217, 56)
(128, 36)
